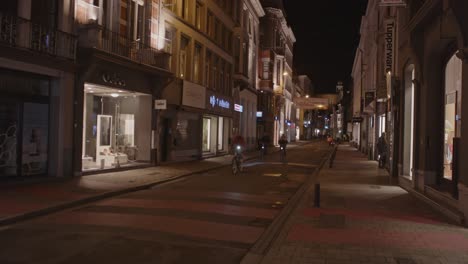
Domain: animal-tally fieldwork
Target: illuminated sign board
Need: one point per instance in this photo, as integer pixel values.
(259, 114)
(238, 108)
(218, 103)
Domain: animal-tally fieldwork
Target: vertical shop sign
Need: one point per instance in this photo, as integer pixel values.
(389, 45)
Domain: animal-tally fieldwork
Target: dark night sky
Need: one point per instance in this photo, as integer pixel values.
(327, 33)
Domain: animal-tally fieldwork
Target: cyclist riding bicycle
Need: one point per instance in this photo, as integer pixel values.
(283, 141)
(238, 144)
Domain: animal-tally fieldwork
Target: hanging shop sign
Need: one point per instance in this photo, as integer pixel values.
(389, 27)
(160, 104)
(238, 108)
(392, 3)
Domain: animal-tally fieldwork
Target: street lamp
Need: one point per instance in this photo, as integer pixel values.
(307, 96)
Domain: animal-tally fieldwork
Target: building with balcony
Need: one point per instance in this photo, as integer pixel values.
(246, 46)
(200, 118)
(37, 76)
(275, 62)
(124, 64)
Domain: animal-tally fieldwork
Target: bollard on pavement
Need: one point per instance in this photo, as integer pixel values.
(317, 195)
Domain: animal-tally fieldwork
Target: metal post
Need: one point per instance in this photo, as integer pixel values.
(317, 195)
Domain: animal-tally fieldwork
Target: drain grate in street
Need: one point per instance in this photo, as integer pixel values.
(404, 261)
(332, 221)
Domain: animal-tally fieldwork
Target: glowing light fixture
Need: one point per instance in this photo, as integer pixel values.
(114, 95)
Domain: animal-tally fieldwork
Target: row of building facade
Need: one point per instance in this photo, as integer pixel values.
(92, 85)
(410, 79)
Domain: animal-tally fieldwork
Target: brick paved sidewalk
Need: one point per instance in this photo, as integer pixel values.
(364, 219)
(23, 201)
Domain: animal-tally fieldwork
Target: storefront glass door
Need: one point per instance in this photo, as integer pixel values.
(24, 131)
(9, 119)
(206, 134)
(220, 134)
(35, 138)
(452, 122)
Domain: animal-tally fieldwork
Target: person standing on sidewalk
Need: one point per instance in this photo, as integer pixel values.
(382, 150)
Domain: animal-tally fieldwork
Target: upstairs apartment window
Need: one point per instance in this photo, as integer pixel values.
(229, 42)
(221, 76)
(209, 24)
(170, 37)
(123, 18)
(217, 31)
(44, 12)
(227, 85)
(237, 54)
(136, 20)
(183, 54)
(171, 5)
(208, 68)
(235, 11)
(214, 73)
(227, 7)
(245, 64)
(184, 11)
(278, 72)
(197, 63)
(198, 9)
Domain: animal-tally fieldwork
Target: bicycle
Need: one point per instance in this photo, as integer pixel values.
(262, 151)
(236, 163)
(283, 153)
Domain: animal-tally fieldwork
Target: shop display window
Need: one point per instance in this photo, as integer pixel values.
(116, 128)
(452, 122)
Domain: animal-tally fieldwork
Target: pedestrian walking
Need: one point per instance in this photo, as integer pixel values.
(382, 150)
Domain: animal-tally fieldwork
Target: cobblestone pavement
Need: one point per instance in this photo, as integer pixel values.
(365, 219)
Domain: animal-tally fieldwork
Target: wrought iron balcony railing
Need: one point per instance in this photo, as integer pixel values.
(22, 33)
(95, 36)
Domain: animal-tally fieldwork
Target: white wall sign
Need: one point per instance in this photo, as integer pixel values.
(160, 104)
(216, 101)
(238, 108)
(259, 114)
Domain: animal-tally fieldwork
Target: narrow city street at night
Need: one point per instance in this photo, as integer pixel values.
(233, 131)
